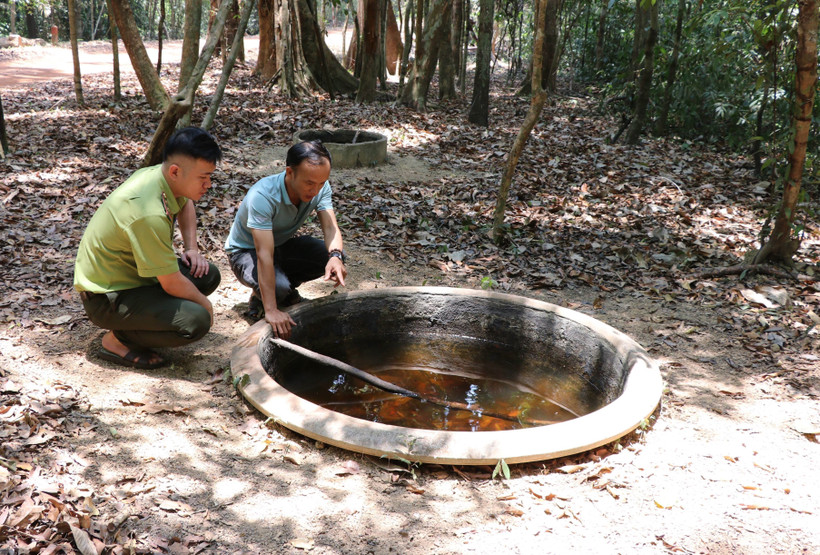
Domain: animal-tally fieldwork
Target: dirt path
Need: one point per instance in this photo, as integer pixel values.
(23, 67)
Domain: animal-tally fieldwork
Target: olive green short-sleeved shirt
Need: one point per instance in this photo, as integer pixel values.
(129, 240)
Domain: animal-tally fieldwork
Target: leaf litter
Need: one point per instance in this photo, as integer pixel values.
(644, 224)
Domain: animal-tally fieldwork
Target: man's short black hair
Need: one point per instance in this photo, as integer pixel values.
(314, 152)
(194, 142)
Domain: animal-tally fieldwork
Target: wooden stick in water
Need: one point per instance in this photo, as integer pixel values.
(393, 388)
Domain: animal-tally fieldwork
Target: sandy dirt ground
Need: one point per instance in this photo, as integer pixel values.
(728, 466)
(26, 66)
(725, 468)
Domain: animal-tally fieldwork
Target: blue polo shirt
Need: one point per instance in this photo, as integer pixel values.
(268, 207)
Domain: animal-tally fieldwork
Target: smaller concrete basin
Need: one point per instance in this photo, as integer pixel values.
(348, 148)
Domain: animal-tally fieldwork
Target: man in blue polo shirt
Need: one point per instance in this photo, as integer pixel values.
(263, 249)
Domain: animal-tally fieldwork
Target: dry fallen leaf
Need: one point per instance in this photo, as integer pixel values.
(83, 541)
(572, 468)
(347, 468)
(514, 511)
(152, 408)
(754, 507)
(303, 544)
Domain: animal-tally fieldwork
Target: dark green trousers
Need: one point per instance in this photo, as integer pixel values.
(150, 317)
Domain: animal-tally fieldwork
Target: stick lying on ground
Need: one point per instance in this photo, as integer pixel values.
(393, 388)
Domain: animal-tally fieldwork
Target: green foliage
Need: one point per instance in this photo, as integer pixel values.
(240, 382)
(736, 63)
(488, 283)
(502, 468)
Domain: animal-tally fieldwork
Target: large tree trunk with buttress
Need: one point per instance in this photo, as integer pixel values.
(155, 93)
(319, 61)
(393, 43)
(781, 244)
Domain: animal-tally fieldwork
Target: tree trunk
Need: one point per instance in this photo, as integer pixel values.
(266, 66)
(12, 18)
(415, 94)
(663, 117)
(446, 65)
(418, 28)
(356, 36)
(182, 102)
(229, 33)
(600, 35)
(160, 29)
(638, 122)
(155, 93)
(115, 51)
(781, 246)
(31, 23)
(317, 61)
(4, 141)
(549, 57)
(288, 51)
(408, 43)
(75, 51)
(393, 46)
(480, 107)
(190, 41)
(368, 57)
(465, 31)
(539, 98)
(638, 39)
(236, 47)
(214, 9)
(381, 63)
(456, 36)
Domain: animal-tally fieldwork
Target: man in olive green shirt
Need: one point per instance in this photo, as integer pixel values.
(127, 272)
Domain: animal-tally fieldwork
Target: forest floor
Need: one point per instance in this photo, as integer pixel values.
(174, 461)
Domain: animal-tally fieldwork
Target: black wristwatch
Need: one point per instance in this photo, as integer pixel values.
(338, 254)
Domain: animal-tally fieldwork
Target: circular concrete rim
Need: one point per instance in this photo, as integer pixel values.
(370, 150)
(641, 395)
